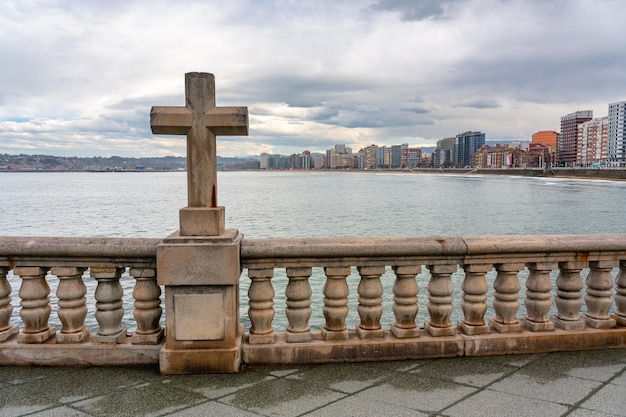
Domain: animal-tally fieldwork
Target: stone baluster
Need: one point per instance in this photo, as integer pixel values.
(599, 297)
(34, 293)
(72, 304)
(405, 307)
(298, 311)
(620, 295)
(7, 330)
(261, 306)
(335, 308)
(109, 309)
(147, 312)
(539, 297)
(370, 306)
(440, 305)
(474, 303)
(568, 300)
(506, 298)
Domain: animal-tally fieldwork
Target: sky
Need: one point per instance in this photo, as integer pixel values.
(78, 78)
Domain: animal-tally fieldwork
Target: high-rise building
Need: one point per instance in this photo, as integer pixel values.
(395, 156)
(568, 141)
(616, 139)
(591, 147)
(465, 144)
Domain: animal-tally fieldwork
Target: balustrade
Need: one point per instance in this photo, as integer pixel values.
(440, 305)
(298, 311)
(405, 307)
(7, 330)
(34, 293)
(109, 304)
(569, 292)
(474, 303)
(506, 298)
(600, 292)
(261, 306)
(538, 296)
(335, 308)
(370, 306)
(72, 304)
(620, 295)
(599, 297)
(147, 312)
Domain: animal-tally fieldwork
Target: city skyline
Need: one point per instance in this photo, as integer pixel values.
(79, 78)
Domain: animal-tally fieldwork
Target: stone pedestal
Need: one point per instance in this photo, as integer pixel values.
(201, 279)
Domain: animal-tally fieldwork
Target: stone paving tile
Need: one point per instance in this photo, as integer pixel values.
(419, 393)
(548, 387)
(581, 412)
(216, 386)
(347, 377)
(90, 382)
(20, 374)
(489, 403)
(610, 399)
(282, 397)
(147, 399)
(619, 380)
(597, 365)
(213, 408)
(513, 360)
(467, 370)
(364, 406)
(22, 399)
(63, 411)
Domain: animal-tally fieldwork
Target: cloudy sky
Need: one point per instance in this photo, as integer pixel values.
(79, 77)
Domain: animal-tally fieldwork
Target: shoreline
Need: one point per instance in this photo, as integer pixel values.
(618, 174)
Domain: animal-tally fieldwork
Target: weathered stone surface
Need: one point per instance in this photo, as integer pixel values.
(202, 221)
(201, 361)
(183, 260)
(78, 354)
(199, 316)
(354, 349)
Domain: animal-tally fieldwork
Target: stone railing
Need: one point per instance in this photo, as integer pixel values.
(510, 294)
(66, 262)
(557, 310)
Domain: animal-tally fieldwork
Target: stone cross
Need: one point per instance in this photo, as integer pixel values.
(201, 121)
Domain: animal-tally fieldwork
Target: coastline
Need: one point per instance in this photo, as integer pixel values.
(618, 174)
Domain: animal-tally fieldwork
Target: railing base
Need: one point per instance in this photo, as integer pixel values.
(83, 354)
(354, 349)
(426, 346)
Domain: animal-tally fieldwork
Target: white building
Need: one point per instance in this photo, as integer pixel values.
(616, 140)
(591, 144)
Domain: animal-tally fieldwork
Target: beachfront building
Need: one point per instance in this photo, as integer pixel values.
(591, 146)
(465, 145)
(616, 136)
(567, 142)
(546, 137)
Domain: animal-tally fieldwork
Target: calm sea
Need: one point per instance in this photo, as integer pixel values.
(308, 204)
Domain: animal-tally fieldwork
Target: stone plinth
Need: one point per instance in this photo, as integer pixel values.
(201, 279)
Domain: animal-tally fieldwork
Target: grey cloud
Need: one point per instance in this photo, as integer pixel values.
(413, 10)
(485, 103)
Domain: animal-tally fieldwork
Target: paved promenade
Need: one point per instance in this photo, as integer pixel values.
(576, 384)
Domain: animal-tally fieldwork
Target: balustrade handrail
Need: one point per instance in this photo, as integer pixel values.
(407, 250)
(70, 251)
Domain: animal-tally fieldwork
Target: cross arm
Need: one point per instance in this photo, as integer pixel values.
(170, 120)
(227, 121)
